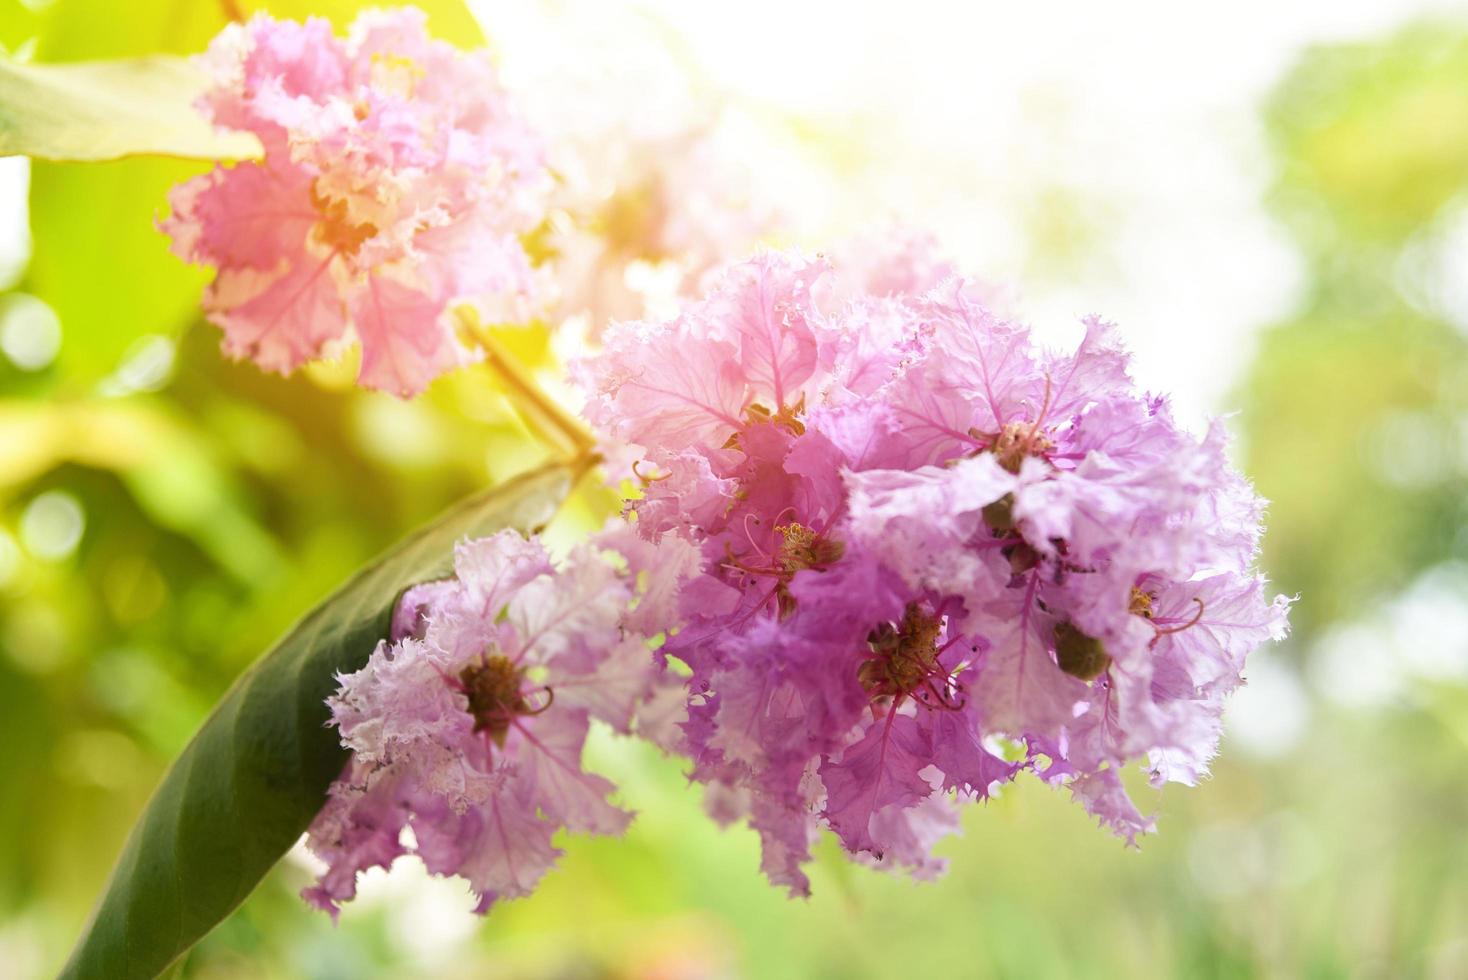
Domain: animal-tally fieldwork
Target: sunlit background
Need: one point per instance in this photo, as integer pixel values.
(1270, 198)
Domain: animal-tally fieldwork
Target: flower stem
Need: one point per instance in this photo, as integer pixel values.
(566, 434)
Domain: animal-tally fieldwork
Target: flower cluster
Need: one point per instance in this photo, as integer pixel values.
(468, 727)
(900, 553)
(396, 181)
(932, 555)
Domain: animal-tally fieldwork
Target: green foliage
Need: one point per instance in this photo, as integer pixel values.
(102, 110)
(1369, 450)
(1352, 405)
(247, 786)
(1373, 137)
(102, 265)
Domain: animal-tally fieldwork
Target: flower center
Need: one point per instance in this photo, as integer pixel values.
(904, 660)
(494, 687)
(1140, 603)
(396, 73)
(799, 549)
(802, 548)
(786, 417)
(334, 230)
(1016, 441)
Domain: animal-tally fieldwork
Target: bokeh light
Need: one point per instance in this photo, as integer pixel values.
(51, 525)
(30, 333)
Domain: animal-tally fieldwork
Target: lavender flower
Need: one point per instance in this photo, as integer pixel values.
(932, 556)
(468, 727)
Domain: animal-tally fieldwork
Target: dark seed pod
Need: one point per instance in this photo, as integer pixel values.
(1081, 656)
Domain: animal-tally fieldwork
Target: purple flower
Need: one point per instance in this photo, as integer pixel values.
(468, 727)
(933, 555)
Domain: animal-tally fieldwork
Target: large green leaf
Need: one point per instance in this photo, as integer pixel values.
(103, 110)
(247, 786)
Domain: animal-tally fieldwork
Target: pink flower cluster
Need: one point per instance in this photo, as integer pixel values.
(932, 556)
(396, 181)
(468, 727)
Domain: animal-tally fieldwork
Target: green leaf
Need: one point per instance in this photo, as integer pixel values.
(97, 258)
(105, 110)
(248, 785)
(100, 263)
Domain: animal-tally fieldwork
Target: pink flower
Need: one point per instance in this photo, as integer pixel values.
(468, 727)
(888, 261)
(395, 184)
(746, 351)
(656, 214)
(932, 556)
(1090, 543)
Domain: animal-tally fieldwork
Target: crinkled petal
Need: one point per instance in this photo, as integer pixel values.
(278, 320)
(880, 770)
(406, 341)
(553, 780)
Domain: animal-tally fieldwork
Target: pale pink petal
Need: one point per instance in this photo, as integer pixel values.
(1103, 796)
(245, 216)
(405, 341)
(278, 321)
(501, 847)
(354, 832)
(1019, 688)
(905, 836)
(766, 304)
(656, 385)
(621, 684)
(550, 757)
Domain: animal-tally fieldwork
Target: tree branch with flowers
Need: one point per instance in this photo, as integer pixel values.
(880, 554)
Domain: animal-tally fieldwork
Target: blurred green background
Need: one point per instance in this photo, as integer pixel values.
(165, 514)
